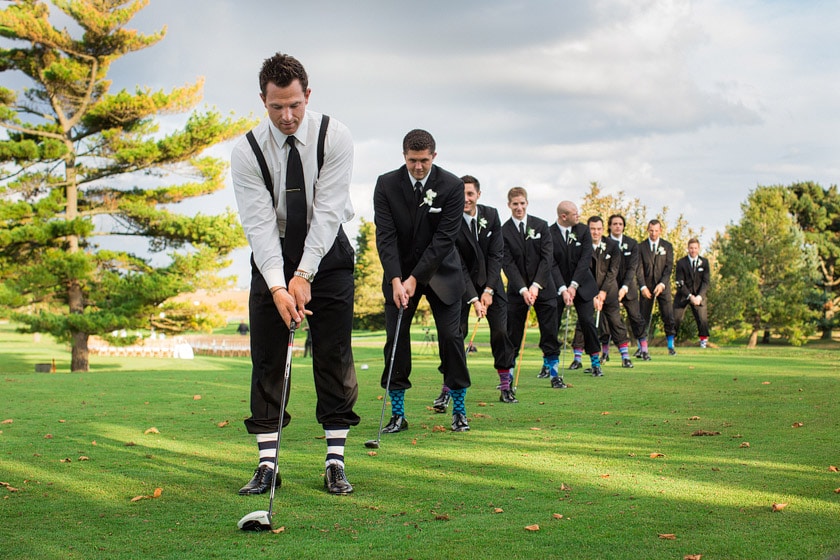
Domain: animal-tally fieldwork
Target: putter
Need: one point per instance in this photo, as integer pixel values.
(565, 339)
(374, 443)
(261, 520)
(521, 349)
(470, 347)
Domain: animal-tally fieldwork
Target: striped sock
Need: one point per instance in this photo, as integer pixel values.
(625, 350)
(267, 444)
(594, 360)
(605, 349)
(336, 438)
(643, 343)
(397, 401)
(458, 398)
(504, 379)
(578, 354)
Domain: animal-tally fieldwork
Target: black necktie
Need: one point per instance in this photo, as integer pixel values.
(522, 228)
(295, 210)
(473, 229)
(418, 192)
(694, 265)
(654, 249)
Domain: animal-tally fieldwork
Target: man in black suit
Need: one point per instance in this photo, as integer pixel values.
(692, 279)
(418, 211)
(656, 261)
(576, 286)
(606, 259)
(527, 266)
(481, 248)
(628, 287)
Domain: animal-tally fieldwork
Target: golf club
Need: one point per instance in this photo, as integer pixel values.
(470, 347)
(650, 319)
(521, 350)
(597, 318)
(565, 340)
(374, 443)
(261, 520)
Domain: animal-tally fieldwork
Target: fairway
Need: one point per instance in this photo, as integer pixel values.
(678, 457)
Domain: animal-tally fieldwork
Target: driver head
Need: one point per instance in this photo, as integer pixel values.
(372, 444)
(255, 521)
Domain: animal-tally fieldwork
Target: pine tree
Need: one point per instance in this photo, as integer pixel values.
(71, 148)
(369, 310)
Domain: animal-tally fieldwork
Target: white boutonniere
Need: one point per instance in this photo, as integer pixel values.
(430, 197)
(572, 237)
(482, 223)
(624, 246)
(532, 234)
(660, 250)
(602, 246)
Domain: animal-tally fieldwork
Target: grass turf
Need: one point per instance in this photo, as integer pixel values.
(583, 464)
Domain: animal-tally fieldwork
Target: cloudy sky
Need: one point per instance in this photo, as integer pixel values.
(685, 104)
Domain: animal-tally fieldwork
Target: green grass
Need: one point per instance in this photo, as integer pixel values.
(583, 453)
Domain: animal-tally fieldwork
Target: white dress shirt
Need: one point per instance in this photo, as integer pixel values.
(330, 207)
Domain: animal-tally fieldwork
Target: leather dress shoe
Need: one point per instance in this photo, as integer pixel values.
(645, 356)
(557, 383)
(459, 423)
(575, 365)
(440, 403)
(605, 357)
(626, 363)
(638, 353)
(672, 352)
(544, 373)
(335, 481)
(395, 424)
(596, 371)
(260, 483)
(507, 396)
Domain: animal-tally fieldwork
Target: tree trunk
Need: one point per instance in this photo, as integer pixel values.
(766, 338)
(753, 339)
(79, 354)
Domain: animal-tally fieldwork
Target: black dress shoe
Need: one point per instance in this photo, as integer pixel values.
(440, 403)
(638, 353)
(335, 481)
(596, 371)
(260, 483)
(544, 373)
(588, 370)
(575, 365)
(672, 352)
(645, 356)
(459, 423)
(626, 363)
(507, 396)
(605, 357)
(395, 424)
(557, 383)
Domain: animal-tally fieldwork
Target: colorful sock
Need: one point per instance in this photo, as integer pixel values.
(643, 344)
(670, 338)
(625, 350)
(605, 348)
(336, 438)
(553, 365)
(397, 401)
(504, 379)
(267, 443)
(444, 389)
(704, 341)
(458, 398)
(578, 354)
(594, 360)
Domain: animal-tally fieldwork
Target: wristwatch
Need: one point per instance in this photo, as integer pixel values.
(308, 276)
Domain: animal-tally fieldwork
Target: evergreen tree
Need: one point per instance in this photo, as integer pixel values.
(369, 309)
(71, 148)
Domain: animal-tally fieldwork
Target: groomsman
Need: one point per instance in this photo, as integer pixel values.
(575, 283)
(628, 287)
(656, 261)
(527, 265)
(692, 279)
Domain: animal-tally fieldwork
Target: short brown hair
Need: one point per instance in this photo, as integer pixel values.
(517, 191)
(418, 140)
(281, 70)
(473, 181)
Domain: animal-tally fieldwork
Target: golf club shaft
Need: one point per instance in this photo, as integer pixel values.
(597, 318)
(475, 330)
(565, 339)
(288, 370)
(390, 371)
(521, 349)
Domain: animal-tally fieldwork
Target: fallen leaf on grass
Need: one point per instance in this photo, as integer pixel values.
(668, 536)
(156, 494)
(536, 429)
(48, 436)
(605, 476)
(62, 421)
(442, 517)
(379, 397)
(278, 530)
(564, 486)
(605, 413)
(83, 458)
(480, 415)
(152, 430)
(7, 421)
(223, 423)
(533, 527)
(744, 444)
(439, 428)
(67, 460)
(130, 444)
(414, 441)
(196, 397)
(557, 515)
(778, 507)
(498, 510)
(837, 490)
(797, 425)
(705, 433)
(482, 404)
(656, 455)
(9, 487)
(765, 383)
(692, 557)
(694, 418)
(832, 468)
(371, 453)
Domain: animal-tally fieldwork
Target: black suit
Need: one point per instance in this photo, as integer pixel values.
(656, 269)
(572, 261)
(419, 241)
(606, 259)
(482, 255)
(626, 276)
(527, 260)
(692, 281)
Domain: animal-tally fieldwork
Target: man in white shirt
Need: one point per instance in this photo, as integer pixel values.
(292, 206)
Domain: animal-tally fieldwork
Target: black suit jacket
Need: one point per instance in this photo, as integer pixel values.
(629, 267)
(528, 259)
(572, 260)
(606, 260)
(690, 282)
(419, 240)
(482, 257)
(655, 269)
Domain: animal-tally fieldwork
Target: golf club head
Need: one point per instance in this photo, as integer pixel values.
(255, 521)
(372, 444)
